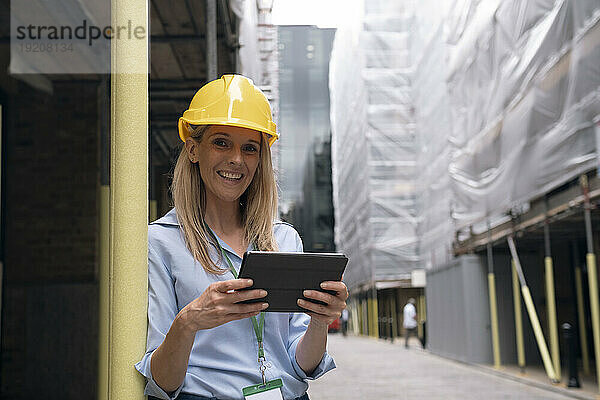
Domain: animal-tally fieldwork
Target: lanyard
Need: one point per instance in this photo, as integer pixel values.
(257, 325)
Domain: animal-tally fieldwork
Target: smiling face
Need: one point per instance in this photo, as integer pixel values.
(227, 157)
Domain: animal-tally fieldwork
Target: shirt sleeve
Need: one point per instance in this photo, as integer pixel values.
(162, 309)
(298, 325)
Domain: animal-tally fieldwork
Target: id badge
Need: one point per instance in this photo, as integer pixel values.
(269, 391)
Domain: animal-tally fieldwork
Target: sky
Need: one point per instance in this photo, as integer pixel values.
(323, 13)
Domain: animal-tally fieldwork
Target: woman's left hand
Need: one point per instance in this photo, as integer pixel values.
(325, 314)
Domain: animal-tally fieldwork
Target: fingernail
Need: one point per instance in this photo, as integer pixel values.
(249, 281)
(265, 305)
(300, 301)
(324, 285)
(305, 293)
(263, 293)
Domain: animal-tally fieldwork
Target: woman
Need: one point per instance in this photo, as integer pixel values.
(201, 342)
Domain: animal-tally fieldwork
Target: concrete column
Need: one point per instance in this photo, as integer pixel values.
(128, 271)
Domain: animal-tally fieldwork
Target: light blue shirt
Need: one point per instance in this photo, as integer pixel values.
(224, 359)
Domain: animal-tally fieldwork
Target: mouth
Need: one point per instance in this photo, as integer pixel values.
(230, 176)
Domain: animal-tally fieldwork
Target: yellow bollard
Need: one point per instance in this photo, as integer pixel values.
(552, 324)
(593, 284)
(581, 318)
(494, 319)
(518, 318)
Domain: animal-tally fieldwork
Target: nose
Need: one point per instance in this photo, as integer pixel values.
(236, 156)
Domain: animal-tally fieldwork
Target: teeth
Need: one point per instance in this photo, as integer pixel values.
(230, 175)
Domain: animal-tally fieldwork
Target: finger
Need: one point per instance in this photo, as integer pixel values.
(232, 284)
(337, 286)
(317, 308)
(244, 295)
(247, 308)
(235, 317)
(324, 297)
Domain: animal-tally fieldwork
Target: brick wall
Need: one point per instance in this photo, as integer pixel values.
(49, 326)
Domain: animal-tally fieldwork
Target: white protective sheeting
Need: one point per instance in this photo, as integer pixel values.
(373, 143)
(249, 63)
(505, 98)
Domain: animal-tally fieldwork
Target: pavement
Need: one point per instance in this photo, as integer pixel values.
(369, 369)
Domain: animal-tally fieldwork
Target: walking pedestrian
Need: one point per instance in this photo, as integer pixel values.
(410, 321)
(202, 343)
(344, 321)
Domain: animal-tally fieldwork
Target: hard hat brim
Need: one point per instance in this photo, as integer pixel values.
(184, 132)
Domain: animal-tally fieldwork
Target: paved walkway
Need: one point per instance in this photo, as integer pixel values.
(370, 369)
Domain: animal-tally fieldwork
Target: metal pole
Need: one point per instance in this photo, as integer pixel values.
(518, 318)
(211, 39)
(493, 302)
(580, 311)
(592, 274)
(535, 322)
(128, 271)
(551, 299)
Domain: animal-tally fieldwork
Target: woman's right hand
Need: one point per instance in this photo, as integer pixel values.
(217, 305)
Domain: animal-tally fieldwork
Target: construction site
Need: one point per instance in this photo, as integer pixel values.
(449, 149)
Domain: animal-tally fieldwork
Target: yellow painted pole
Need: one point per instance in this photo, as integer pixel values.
(518, 319)
(494, 320)
(552, 324)
(103, 271)
(581, 317)
(539, 335)
(128, 275)
(153, 210)
(535, 322)
(370, 316)
(593, 286)
(394, 316)
(551, 299)
(419, 326)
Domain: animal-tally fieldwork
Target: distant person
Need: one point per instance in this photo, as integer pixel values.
(410, 320)
(344, 321)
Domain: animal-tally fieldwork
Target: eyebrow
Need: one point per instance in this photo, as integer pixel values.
(228, 135)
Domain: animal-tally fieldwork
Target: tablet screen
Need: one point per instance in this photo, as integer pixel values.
(286, 275)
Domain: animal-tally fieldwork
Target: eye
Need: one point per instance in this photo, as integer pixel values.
(220, 142)
(250, 148)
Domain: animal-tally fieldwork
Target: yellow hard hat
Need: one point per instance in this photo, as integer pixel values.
(232, 100)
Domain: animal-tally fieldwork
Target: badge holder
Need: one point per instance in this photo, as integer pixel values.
(270, 390)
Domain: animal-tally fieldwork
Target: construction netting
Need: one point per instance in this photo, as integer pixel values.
(446, 115)
(373, 143)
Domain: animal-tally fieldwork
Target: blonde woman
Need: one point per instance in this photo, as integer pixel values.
(203, 344)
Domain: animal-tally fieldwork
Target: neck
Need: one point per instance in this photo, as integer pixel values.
(223, 217)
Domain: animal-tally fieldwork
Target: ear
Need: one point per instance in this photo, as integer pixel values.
(192, 148)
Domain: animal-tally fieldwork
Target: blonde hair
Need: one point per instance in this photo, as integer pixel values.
(258, 205)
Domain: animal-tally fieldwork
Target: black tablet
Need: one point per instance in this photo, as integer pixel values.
(286, 275)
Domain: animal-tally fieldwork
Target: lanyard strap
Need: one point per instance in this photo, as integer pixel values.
(257, 325)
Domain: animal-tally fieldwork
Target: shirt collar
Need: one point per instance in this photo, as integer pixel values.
(170, 218)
